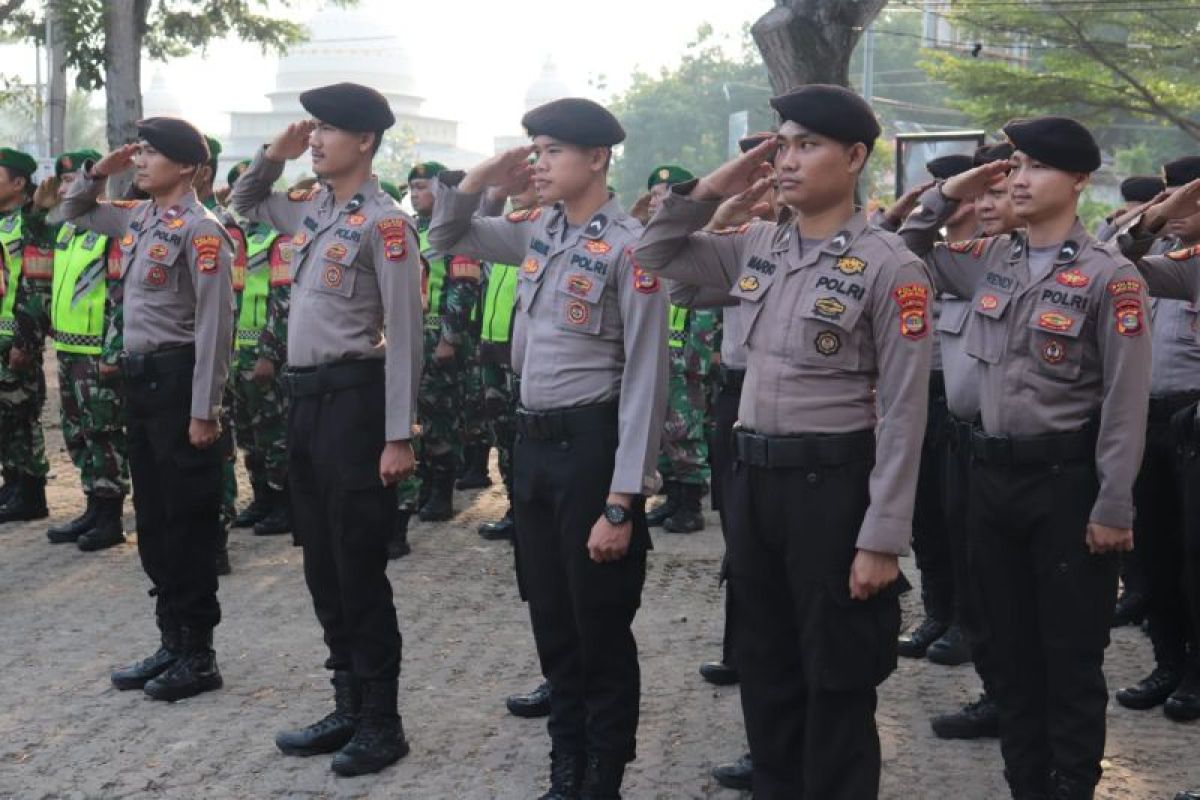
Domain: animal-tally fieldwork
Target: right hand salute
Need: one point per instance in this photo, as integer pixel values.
(293, 142)
(510, 170)
(115, 162)
(973, 183)
(734, 176)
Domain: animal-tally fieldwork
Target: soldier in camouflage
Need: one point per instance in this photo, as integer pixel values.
(25, 278)
(452, 287)
(76, 313)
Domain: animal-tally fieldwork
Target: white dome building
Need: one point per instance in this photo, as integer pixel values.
(160, 101)
(358, 45)
(548, 86)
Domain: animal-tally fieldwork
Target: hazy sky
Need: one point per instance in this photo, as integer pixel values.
(474, 59)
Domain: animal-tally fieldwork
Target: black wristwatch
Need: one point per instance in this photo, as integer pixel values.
(616, 514)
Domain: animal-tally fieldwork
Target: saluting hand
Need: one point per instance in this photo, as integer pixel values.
(396, 462)
(641, 208)
(971, 184)
(1103, 539)
(905, 203)
(509, 170)
(1181, 203)
(115, 162)
(743, 206)
(871, 573)
(734, 176)
(46, 194)
(293, 142)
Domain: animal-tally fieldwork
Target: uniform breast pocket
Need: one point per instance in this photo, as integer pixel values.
(988, 331)
(160, 277)
(827, 336)
(952, 318)
(1188, 325)
(527, 290)
(335, 278)
(1055, 342)
(579, 302)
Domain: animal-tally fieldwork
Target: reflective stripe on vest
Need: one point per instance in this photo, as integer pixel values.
(498, 303)
(678, 326)
(252, 317)
(78, 291)
(12, 235)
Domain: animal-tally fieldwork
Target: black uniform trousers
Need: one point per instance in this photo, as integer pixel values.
(956, 488)
(176, 488)
(931, 536)
(809, 656)
(581, 611)
(721, 457)
(1048, 604)
(343, 514)
(1186, 429)
(1158, 532)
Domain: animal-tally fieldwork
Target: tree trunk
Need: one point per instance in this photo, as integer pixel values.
(811, 41)
(124, 25)
(57, 79)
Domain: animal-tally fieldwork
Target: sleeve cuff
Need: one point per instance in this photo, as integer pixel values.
(1111, 513)
(884, 535)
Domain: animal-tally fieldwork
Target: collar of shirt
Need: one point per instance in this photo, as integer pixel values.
(836, 245)
(599, 223)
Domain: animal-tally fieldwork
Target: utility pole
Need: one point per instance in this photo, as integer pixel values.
(868, 79)
(57, 79)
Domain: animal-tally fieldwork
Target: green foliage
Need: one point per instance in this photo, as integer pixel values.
(681, 115)
(1136, 160)
(1092, 60)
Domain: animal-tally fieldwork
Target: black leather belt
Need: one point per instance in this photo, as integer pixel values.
(959, 432)
(334, 377)
(730, 378)
(806, 451)
(564, 423)
(146, 366)
(1054, 448)
(1163, 407)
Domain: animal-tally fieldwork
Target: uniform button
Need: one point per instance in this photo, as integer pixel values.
(1056, 469)
(1062, 567)
(153, 385)
(564, 445)
(811, 477)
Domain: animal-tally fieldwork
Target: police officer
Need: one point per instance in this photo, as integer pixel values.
(589, 342)
(452, 286)
(177, 263)
(832, 414)
(76, 313)
(1136, 191)
(28, 248)
(354, 359)
(683, 462)
(260, 342)
(1058, 321)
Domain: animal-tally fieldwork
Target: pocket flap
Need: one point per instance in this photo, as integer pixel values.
(991, 303)
(952, 316)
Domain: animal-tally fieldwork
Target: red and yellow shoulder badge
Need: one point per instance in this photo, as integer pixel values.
(1125, 286)
(300, 195)
(913, 300)
(395, 238)
(208, 249)
(1185, 253)
(972, 246)
(1073, 278)
(126, 203)
(1128, 312)
(524, 215)
(643, 281)
(114, 260)
(465, 269)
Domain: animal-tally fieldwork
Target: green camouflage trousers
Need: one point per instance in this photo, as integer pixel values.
(259, 422)
(501, 387)
(439, 404)
(229, 488)
(22, 395)
(408, 491)
(93, 425)
(475, 429)
(684, 454)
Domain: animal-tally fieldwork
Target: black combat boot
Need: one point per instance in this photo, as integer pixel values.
(532, 704)
(194, 672)
(11, 479)
(256, 510)
(1184, 703)
(28, 501)
(688, 518)
(332, 732)
(951, 649)
(603, 779)
(1130, 609)
(475, 472)
(378, 739)
(503, 528)
(566, 775)
(977, 720)
(657, 515)
(278, 519)
(1064, 788)
(109, 529)
(398, 546)
(440, 506)
(70, 531)
(223, 565)
(737, 774)
(1153, 690)
(136, 675)
(916, 642)
(718, 673)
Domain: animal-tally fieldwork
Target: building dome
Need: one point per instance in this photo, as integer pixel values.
(158, 100)
(547, 87)
(358, 45)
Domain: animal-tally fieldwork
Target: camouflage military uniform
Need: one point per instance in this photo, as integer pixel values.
(684, 456)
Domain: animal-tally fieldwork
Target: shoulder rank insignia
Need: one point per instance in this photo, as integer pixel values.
(300, 195)
(850, 265)
(524, 215)
(1126, 286)
(972, 246)
(126, 203)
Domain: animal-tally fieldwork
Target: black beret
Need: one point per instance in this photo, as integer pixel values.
(349, 106)
(944, 167)
(1182, 170)
(575, 121)
(748, 143)
(988, 153)
(176, 139)
(1141, 188)
(832, 111)
(1059, 142)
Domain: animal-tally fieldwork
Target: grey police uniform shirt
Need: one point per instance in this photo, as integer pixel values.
(177, 270)
(589, 325)
(1176, 336)
(356, 280)
(837, 335)
(1055, 353)
(734, 354)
